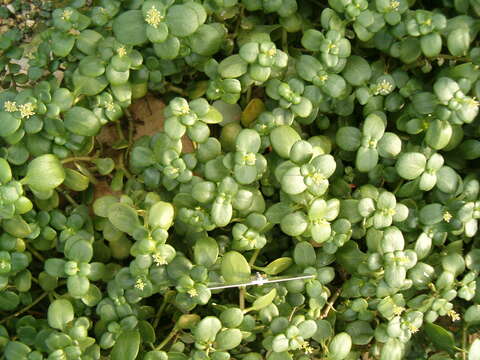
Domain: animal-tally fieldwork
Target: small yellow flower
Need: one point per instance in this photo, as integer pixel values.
(397, 310)
(447, 216)
(139, 284)
(323, 78)
(272, 52)
(121, 51)
(74, 32)
(27, 110)
(318, 178)
(413, 329)
(154, 17)
(384, 88)
(307, 349)
(249, 158)
(394, 5)
(453, 315)
(110, 106)
(67, 13)
(159, 259)
(192, 292)
(10, 106)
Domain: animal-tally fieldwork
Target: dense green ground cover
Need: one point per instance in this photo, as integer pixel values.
(306, 186)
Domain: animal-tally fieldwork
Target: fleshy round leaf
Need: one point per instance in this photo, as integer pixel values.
(235, 268)
(127, 345)
(411, 165)
(60, 313)
(81, 121)
(45, 173)
(123, 217)
(130, 28)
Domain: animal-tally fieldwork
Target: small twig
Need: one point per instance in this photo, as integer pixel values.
(26, 308)
(331, 303)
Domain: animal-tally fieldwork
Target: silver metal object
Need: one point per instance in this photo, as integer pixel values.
(260, 280)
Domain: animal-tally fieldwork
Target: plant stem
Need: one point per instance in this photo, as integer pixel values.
(26, 308)
(118, 127)
(241, 300)
(130, 127)
(285, 40)
(69, 198)
(162, 307)
(78, 158)
(176, 89)
(464, 341)
(254, 257)
(35, 253)
(167, 339)
(331, 303)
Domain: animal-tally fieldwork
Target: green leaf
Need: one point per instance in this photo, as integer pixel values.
(304, 254)
(293, 181)
(277, 266)
(228, 339)
(474, 352)
(232, 67)
(367, 159)
(10, 124)
(126, 346)
(282, 139)
(340, 346)
(81, 121)
(441, 338)
(8, 300)
(123, 217)
(45, 173)
(458, 41)
(17, 350)
(160, 215)
(248, 141)
(411, 165)
(206, 251)
(348, 138)
(357, 71)
(264, 301)
(207, 329)
(235, 268)
(183, 20)
(294, 224)
(374, 127)
(75, 180)
(129, 28)
(60, 313)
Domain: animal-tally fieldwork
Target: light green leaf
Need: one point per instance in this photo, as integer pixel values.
(264, 301)
(235, 268)
(123, 217)
(126, 346)
(45, 173)
(60, 313)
